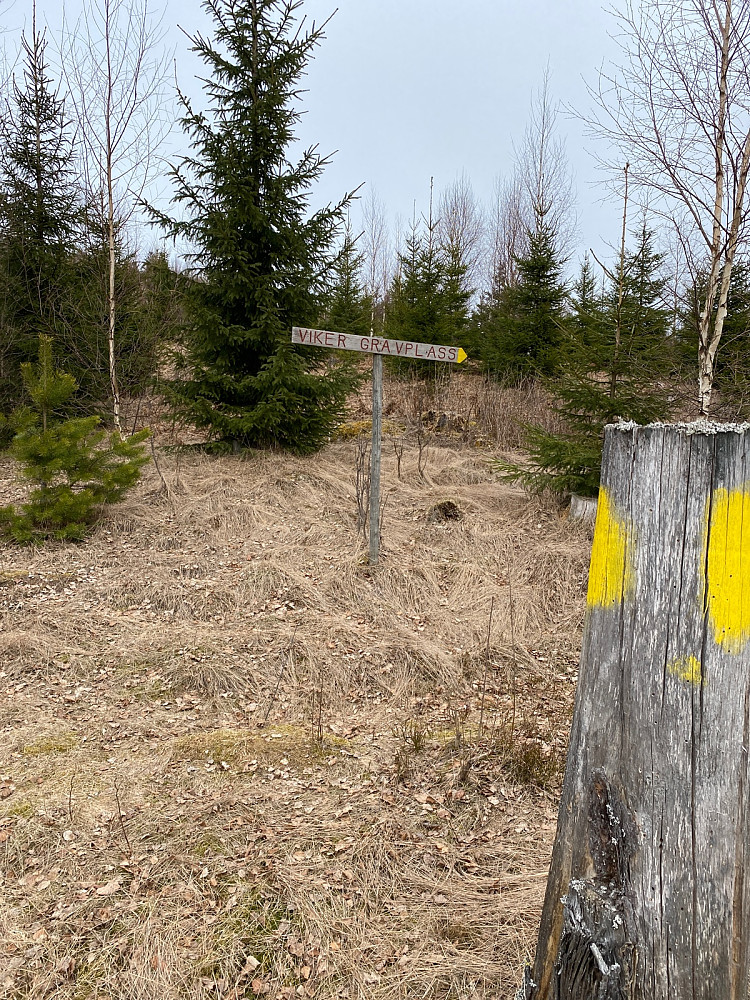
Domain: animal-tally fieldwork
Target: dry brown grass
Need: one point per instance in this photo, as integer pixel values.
(179, 819)
(475, 409)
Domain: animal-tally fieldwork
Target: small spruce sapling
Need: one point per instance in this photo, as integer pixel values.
(73, 472)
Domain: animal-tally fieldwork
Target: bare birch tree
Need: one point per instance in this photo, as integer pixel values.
(540, 189)
(375, 247)
(510, 222)
(543, 170)
(116, 70)
(677, 107)
(461, 227)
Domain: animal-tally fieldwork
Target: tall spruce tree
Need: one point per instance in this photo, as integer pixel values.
(40, 215)
(261, 258)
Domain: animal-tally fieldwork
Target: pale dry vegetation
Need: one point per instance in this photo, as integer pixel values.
(236, 761)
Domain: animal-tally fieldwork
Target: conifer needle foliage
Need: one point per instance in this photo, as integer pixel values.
(261, 258)
(54, 257)
(73, 471)
(616, 355)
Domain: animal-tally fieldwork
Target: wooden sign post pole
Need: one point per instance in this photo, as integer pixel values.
(377, 346)
(375, 451)
(649, 889)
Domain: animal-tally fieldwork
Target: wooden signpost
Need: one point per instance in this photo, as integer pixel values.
(648, 895)
(378, 347)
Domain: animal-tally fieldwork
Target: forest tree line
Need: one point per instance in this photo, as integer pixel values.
(612, 339)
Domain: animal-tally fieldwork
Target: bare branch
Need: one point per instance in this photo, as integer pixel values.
(510, 223)
(461, 226)
(677, 107)
(117, 72)
(543, 171)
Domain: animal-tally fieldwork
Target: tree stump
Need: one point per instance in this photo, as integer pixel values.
(648, 893)
(583, 509)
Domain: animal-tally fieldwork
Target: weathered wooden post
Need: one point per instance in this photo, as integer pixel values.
(648, 895)
(375, 452)
(377, 346)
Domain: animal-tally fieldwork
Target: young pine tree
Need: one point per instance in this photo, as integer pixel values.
(348, 309)
(456, 295)
(261, 258)
(429, 295)
(72, 471)
(417, 308)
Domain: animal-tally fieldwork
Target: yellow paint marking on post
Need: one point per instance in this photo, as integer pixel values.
(611, 574)
(686, 668)
(726, 595)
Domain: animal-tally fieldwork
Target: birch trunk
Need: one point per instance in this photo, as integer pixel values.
(112, 315)
(108, 159)
(676, 107)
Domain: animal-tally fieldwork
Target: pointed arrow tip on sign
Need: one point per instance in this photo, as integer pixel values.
(462, 355)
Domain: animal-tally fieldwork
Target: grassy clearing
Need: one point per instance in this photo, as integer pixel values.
(239, 762)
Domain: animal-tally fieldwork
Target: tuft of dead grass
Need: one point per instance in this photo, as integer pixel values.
(239, 746)
(60, 742)
(465, 406)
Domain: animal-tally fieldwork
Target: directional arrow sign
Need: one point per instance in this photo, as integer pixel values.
(377, 345)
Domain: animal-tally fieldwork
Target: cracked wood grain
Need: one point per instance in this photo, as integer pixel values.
(648, 893)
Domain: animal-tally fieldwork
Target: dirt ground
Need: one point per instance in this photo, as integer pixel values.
(237, 761)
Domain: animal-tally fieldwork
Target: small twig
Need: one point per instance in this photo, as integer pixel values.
(421, 462)
(603, 266)
(457, 716)
(177, 483)
(289, 657)
(382, 509)
(137, 414)
(156, 464)
(463, 771)
(317, 702)
(399, 450)
(513, 649)
(119, 816)
(486, 665)
(362, 486)
(70, 796)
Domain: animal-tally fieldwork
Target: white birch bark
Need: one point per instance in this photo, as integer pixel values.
(116, 72)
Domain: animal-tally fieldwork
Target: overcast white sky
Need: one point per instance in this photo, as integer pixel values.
(418, 88)
(409, 89)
